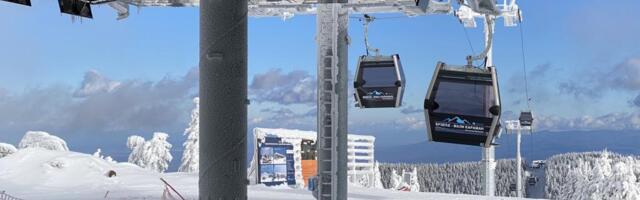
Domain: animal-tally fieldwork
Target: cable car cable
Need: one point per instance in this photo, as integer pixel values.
(524, 68)
(526, 84)
(466, 34)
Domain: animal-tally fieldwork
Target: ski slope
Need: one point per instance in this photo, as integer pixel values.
(37, 173)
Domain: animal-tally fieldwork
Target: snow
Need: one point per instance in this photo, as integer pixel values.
(42, 139)
(44, 174)
(37, 173)
(6, 149)
(190, 156)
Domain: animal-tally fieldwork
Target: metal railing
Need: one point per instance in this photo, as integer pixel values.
(5, 196)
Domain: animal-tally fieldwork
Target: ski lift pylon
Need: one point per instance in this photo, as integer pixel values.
(435, 6)
(462, 105)
(485, 7)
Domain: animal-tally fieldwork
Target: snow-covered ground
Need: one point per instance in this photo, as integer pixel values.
(37, 173)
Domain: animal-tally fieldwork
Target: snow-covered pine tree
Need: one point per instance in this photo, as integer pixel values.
(190, 158)
(414, 184)
(377, 177)
(137, 146)
(157, 152)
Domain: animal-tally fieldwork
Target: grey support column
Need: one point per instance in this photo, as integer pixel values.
(331, 35)
(223, 99)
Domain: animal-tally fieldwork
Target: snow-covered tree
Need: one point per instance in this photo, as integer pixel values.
(6, 149)
(593, 175)
(377, 178)
(413, 181)
(190, 158)
(136, 145)
(459, 178)
(157, 152)
(44, 140)
(154, 154)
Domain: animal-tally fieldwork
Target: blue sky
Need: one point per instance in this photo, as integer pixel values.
(138, 75)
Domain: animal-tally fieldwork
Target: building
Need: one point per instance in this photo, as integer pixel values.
(285, 156)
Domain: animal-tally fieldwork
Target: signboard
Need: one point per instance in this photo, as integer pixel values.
(276, 162)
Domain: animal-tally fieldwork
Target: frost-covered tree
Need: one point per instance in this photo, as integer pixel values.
(190, 158)
(154, 154)
(6, 149)
(157, 152)
(41, 139)
(456, 178)
(413, 182)
(593, 175)
(136, 145)
(377, 178)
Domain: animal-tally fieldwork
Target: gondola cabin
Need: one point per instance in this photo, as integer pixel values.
(76, 8)
(462, 105)
(526, 118)
(23, 2)
(379, 82)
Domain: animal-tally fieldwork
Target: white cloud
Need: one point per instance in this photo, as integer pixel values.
(95, 83)
(411, 123)
(296, 87)
(104, 105)
(612, 121)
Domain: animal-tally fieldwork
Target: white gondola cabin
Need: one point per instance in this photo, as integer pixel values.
(379, 82)
(462, 105)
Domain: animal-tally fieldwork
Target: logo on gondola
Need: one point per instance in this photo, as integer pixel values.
(460, 123)
(375, 93)
(457, 120)
(378, 95)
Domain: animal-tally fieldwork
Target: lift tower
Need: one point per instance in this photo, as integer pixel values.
(514, 127)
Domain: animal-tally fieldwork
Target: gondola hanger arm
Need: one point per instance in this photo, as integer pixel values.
(368, 19)
(483, 55)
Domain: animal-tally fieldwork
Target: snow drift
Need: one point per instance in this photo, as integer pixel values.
(44, 140)
(37, 173)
